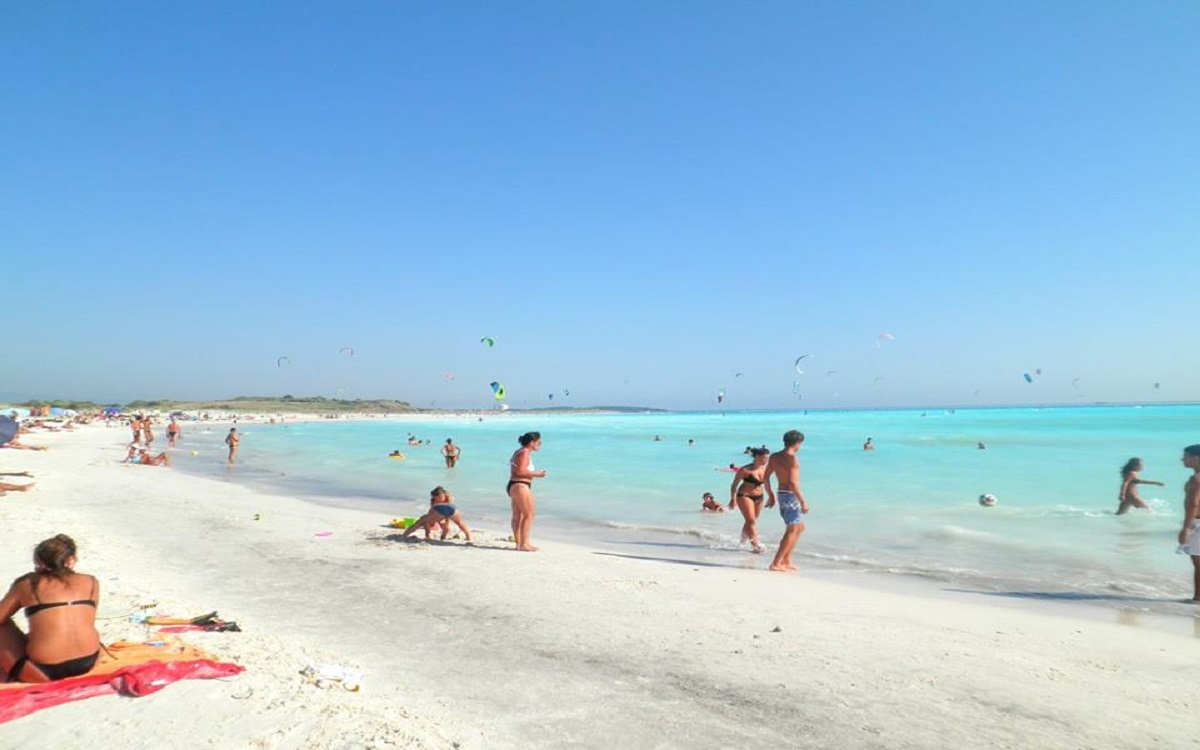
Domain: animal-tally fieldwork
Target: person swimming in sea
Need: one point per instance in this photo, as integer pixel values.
(1128, 496)
(710, 505)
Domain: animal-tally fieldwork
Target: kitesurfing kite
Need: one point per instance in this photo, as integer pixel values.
(347, 350)
(279, 362)
(488, 341)
(882, 338)
(498, 390)
(797, 363)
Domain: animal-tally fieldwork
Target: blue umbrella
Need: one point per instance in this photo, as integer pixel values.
(8, 429)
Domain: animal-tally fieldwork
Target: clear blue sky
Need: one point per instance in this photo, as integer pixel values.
(661, 193)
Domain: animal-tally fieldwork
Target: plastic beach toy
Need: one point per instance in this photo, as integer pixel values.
(403, 523)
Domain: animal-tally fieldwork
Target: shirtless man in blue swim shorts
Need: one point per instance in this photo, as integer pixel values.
(785, 468)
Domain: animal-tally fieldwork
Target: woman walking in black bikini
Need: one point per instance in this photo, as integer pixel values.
(746, 493)
(60, 605)
(520, 489)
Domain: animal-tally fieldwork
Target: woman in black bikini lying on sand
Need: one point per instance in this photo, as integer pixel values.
(61, 607)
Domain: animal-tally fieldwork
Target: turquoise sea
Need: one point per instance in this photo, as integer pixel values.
(909, 508)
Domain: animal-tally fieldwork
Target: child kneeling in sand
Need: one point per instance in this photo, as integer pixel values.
(441, 512)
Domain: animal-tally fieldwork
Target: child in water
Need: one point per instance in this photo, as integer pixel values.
(710, 505)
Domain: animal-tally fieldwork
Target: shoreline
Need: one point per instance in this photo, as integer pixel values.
(486, 647)
(689, 545)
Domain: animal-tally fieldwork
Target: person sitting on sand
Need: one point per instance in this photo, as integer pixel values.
(6, 487)
(441, 509)
(162, 459)
(1128, 496)
(60, 606)
(710, 505)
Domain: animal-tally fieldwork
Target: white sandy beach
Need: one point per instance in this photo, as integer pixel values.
(484, 647)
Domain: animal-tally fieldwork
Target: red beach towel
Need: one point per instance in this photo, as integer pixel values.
(133, 669)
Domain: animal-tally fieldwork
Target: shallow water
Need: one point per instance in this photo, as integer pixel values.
(909, 507)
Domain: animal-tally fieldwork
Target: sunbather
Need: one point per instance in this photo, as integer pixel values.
(14, 443)
(162, 459)
(60, 606)
(6, 487)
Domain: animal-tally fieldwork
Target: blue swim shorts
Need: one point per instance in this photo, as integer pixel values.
(789, 508)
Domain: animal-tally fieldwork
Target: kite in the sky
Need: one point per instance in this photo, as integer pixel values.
(797, 363)
(448, 377)
(1028, 378)
(882, 338)
(279, 362)
(498, 390)
(488, 341)
(721, 396)
(347, 350)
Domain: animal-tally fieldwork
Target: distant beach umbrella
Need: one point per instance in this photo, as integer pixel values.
(8, 429)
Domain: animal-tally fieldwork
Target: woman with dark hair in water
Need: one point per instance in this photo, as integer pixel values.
(520, 489)
(1128, 496)
(747, 493)
(60, 605)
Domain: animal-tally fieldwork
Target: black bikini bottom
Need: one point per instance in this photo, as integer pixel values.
(59, 671)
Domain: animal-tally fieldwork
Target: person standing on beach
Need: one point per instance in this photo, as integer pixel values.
(147, 432)
(1189, 535)
(173, 433)
(1128, 497)
(450, 452)
(785, 467)
(520, 489)
(135, 426)
(747, 492)
(232, 440)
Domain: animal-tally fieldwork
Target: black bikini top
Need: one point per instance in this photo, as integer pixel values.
(748, 479)
(33, 609)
